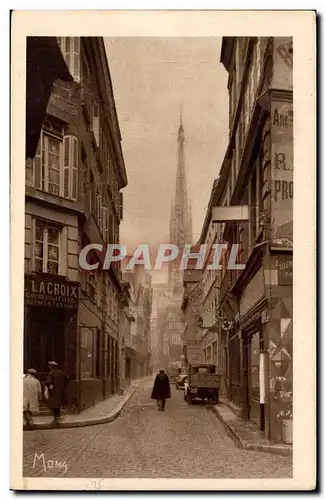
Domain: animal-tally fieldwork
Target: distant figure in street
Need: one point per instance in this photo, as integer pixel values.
(32, 393)
(161, 390)
(56, 383)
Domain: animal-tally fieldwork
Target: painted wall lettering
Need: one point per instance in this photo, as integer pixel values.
(281, 119)
(280, 162)
(283, 190)
(282, 166)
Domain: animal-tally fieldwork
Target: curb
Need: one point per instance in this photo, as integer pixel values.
(110, 417)
(275, 449)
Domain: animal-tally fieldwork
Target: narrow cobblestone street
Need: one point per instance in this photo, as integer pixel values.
(184, 442)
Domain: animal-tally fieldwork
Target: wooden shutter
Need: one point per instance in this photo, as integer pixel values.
(70, 167)
(37, 164)
(74, 168)
(66, 165)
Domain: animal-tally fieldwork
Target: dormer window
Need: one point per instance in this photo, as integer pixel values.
(70, 47)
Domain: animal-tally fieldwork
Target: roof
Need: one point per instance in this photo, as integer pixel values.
(44, 64)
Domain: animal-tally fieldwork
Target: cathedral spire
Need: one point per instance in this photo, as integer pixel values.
(181, 214)
(181, 137)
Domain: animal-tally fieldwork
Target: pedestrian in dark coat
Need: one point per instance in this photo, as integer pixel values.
(56, 383)
(161, 390)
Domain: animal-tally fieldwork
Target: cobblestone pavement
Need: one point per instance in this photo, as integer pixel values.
(183, 442)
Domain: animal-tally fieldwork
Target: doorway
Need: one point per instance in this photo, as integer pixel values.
(254, 390)
(251, 375)
(45, 338)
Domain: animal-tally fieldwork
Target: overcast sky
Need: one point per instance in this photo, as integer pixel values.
(152, 79)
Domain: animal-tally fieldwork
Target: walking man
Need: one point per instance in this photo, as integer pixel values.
(32, 393)
(161, 390)
(56, 383)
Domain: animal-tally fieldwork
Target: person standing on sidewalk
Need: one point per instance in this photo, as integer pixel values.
(161, 390)
(56, 383)
(32, 393)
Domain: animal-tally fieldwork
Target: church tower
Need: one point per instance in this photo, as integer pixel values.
(181, 220)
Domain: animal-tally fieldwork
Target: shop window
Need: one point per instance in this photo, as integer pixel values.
(89, 352)
(70, 47)
(46, 248)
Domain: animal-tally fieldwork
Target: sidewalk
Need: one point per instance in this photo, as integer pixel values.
(245, 434)
(101, 413)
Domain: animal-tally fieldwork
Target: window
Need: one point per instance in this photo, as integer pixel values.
(99, 210)
(90, 352)
(49, 177)
(96, 123)
(46, 248)
(55, 166)
(105, 223)
(70, 47)
(85, 184)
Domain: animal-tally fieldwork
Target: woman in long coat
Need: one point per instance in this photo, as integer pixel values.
(161, 390)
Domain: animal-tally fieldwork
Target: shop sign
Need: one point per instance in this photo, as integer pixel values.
(41, 291)
(282, 172)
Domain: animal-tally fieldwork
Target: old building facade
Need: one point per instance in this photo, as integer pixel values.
(257, 172)
(138, 352)
(73, 198)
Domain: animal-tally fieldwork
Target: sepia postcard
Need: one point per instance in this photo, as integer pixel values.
(163, 226)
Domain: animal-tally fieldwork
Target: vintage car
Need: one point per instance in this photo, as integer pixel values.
(202, 382)
(180, 380)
